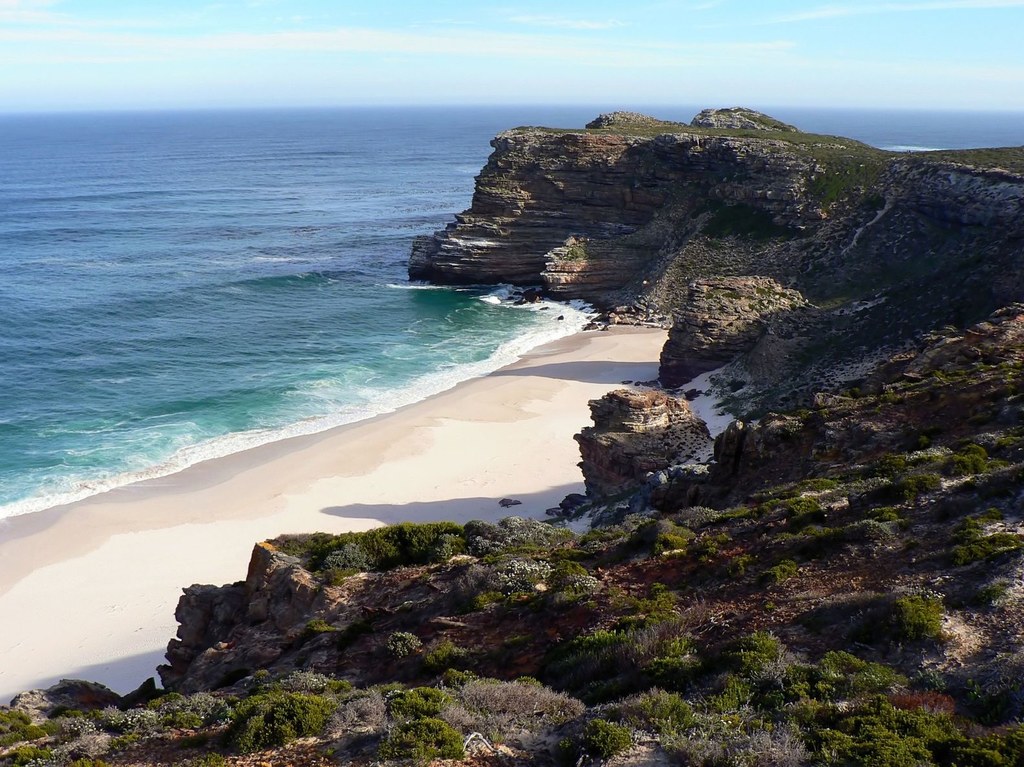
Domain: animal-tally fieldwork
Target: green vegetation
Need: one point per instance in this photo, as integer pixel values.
(602, 739)
(422, 741)
(277, 718)
(382, 548)
(972, 544)
(418, 703)
(741, 220)
(16, 727)
(402, 643)
(916, 617)
(780, 572)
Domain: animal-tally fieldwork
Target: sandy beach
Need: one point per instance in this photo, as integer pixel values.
(88, 590)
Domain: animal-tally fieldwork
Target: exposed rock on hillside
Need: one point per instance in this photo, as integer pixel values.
(626, 195)
(635, 433)
(738, 118)
(633, 213)
(630, 120)
(721, 319)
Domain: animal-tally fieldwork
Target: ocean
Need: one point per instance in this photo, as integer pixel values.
(177, 286)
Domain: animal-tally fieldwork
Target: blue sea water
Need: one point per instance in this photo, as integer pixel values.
(179, 286)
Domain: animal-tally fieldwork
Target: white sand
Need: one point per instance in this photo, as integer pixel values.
(88, 590)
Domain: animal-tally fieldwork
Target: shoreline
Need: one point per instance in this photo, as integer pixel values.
(89, 588)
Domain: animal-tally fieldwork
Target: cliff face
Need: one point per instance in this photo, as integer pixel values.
(640, 213)
(721, 319)
(634, 433)
(617, 197)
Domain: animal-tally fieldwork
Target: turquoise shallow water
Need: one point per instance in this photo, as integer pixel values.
(179, 286)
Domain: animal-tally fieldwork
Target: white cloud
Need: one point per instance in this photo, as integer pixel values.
(866, 9)
(447, 44)
(558, 22)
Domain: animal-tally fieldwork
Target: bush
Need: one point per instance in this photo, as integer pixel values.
(971, 459)
(401, 644)
(24, 755)
(783, 571)
(16, 726)
(840, 675)
(417, 703)
(381, 548)
(916, 617)
(973, 545)
(277, 718)
(911, 487)
(753, 654)
(502, 708)
(881, 735)
(664, 712)
(512, 534)
(445, 655)
(422, 741)
(519, 575)
(602, 739)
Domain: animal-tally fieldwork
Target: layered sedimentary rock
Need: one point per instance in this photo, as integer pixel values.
(276, 595)
(635, 433)
(738, 118)
(620, 195)
(721, 319)
(634, 212)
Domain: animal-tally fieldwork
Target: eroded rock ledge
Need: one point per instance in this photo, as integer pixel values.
(635, 433)
(721, 319)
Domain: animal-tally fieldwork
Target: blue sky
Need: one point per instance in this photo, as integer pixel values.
(107, 54)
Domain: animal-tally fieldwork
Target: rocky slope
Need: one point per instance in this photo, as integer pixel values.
(633, 213)
(843, 586)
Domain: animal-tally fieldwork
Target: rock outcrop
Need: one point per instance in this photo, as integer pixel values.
(721, 319)
(629, 215)
(739, 118)
(634, 434)
(590, 214)
(274, 601)
(75, 694)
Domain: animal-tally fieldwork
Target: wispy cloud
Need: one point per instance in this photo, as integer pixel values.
(344, 40)
(560, 22)
(866, 9)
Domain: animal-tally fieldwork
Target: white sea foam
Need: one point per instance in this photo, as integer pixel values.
(575, 315)
(911, 148)
(415, 286)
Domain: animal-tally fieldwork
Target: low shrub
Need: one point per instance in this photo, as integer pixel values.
(445, 655)
(783, 571)
(381, 548)
(16, 727)
(273, 719)
(25, 755)
(752, 654)
(971, 544)
(402, 644)
(422, 741)
(417, 703)
(512, 535)
(970, 459)
(602, 739)
(916, 617)
(664, 712)
(502, 710)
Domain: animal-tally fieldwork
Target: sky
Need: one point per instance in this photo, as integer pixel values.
(71, 55)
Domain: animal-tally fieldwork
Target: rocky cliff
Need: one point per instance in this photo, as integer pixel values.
(636, 214)
(635, 433)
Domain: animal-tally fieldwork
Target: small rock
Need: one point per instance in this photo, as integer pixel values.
(573, 501)
(67, 693)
